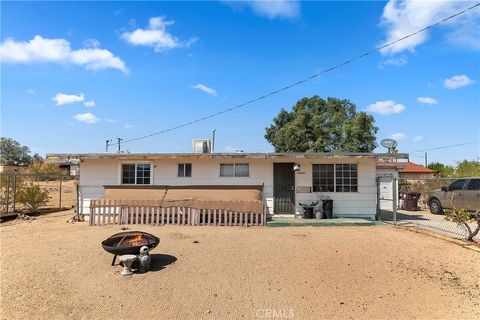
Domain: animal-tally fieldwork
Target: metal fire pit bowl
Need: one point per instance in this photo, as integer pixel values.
(129, 242)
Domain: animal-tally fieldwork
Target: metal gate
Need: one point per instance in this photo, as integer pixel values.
(283, 188)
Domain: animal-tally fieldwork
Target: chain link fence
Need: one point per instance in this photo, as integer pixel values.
(35, 193)
(449, 207)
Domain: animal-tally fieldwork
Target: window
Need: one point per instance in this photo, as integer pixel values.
(234, 170)
(241, 170)
(184, 170)
(128, 173)
(323, 178)
(474, 184)
(457, 185)
(338, 177)
(346, 178)
(136, 173)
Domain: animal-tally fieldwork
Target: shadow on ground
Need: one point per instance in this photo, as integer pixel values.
(161, 261)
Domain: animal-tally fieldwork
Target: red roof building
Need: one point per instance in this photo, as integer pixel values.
(413, 171)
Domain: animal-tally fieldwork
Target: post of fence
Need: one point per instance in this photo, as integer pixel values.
(14, 192)
(377, 216)
(8, 192)
(60, 193)
(395, 194)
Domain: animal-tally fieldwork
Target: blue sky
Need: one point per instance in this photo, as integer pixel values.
(75, 74)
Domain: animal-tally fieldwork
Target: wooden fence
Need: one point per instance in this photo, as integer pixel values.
(105, 212)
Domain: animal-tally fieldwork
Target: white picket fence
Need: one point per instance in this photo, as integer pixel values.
(106, 212)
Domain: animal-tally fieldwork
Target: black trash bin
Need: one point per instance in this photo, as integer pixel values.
(308, 209)
(411, 201)
(327, 207)
(308, 212)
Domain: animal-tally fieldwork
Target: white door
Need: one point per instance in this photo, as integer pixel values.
(386, 193)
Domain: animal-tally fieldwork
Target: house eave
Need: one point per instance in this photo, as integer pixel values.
(53, 157)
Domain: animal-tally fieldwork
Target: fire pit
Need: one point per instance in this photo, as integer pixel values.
(129, 242)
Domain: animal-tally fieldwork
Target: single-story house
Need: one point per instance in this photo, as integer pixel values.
(413, 171)
(283, 179)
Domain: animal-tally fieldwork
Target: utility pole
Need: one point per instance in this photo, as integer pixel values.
(426, 162)
(119, 141)
(107, 143)
(213, 140)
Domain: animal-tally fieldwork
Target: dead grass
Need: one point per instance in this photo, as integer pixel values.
(54, 270)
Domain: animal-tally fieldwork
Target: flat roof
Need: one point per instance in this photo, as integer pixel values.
(131, 156)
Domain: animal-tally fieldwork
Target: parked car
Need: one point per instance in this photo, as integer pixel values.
(462, 193)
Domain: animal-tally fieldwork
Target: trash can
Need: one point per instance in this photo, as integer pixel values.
(327, 207)
(308, 213)
(308, 209)
(411, 201)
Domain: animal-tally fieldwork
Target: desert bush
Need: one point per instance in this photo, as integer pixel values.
(33, 197)
(463, 218)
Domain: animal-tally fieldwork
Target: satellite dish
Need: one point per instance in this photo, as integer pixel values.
(388, 143)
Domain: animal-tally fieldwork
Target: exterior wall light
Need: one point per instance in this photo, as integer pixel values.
(296, 167)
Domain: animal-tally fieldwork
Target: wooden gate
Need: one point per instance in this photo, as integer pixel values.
(283, 188)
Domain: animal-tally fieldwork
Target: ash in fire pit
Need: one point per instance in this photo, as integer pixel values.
(129, 242)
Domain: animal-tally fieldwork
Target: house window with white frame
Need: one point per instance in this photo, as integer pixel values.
(323, 178)
(136, 173)
(346, 176)
(234, 170)
(184, 170)
(335, 177)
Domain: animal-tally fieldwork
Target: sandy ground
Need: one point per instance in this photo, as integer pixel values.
(54, 270)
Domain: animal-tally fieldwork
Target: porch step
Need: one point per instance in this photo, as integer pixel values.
(282, 221)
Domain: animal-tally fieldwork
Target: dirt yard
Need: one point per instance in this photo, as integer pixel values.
(54, 270)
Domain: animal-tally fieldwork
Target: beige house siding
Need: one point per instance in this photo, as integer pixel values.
(95, 173)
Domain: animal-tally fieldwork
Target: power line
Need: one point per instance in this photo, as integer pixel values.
(445, 147)
(303, 80)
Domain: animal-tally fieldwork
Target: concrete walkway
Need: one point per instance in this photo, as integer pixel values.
(290, 221)
(425, 220)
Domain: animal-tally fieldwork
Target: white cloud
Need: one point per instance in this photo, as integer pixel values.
(399, 136)
(397, 62)
(110, 120)
(285, 9)
(91, 43)
(386, 107)
(403, 17)
(62, 98)
(44, 50)
(427, 100)
(86, 118)
(128, 126)
(205, 89)
(89, 104)
(418, 138)
(31, 91)
(156, 36)
(456, 82)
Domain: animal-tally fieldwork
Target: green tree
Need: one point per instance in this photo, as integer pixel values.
(318, 125)
(467, 168)
(37, 158)
(13, 153)
(442, 170)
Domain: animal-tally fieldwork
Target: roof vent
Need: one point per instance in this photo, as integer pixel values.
(201, 146)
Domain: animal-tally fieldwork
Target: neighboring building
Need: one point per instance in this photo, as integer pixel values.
(347, 178)
(413, 171)
(70, 165)
(5, 168)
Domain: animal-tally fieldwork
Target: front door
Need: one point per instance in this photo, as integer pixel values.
(283, 188)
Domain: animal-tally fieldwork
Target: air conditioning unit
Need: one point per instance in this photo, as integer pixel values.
(201, 146)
